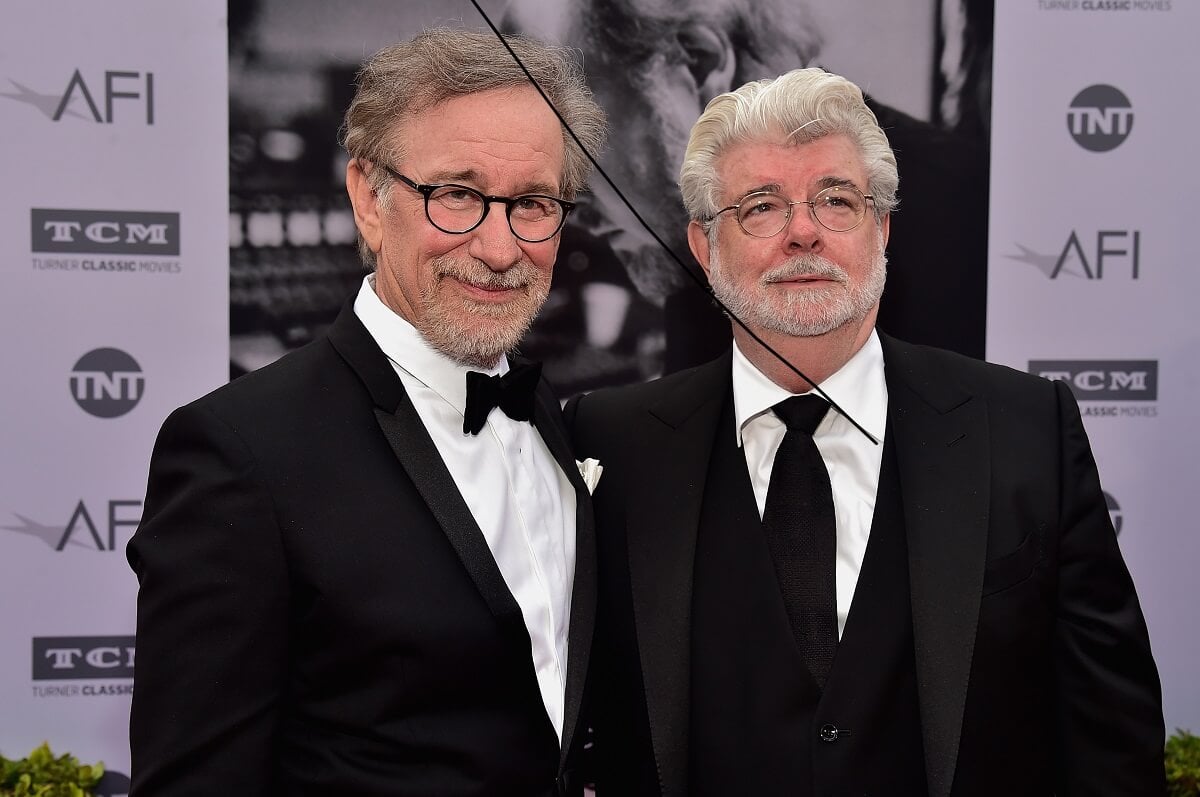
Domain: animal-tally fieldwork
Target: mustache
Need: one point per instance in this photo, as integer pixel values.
(808, 265)
(477, 273)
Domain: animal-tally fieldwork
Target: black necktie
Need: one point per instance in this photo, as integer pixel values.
(512, 393)
(801, 533)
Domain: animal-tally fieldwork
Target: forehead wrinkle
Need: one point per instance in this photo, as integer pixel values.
(820, 185)
(471, 178)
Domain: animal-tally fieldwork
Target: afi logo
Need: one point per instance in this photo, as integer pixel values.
(67, 658)
(1100, 118)
(84, 528)
(1123, 246)
(136, 88)
(1109, 252)
(105, 98)
(1103, 380)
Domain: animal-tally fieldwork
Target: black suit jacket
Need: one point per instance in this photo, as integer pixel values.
(1033, 665)
(319, 612)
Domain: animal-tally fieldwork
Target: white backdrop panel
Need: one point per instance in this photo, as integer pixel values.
(1091, 271)
(114, 269)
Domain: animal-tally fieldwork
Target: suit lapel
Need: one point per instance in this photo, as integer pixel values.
(662, 527)
(547, 419)
(943, 456)
(419, 457)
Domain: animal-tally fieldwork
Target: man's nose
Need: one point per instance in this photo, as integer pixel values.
(802, 232)
(493, 241)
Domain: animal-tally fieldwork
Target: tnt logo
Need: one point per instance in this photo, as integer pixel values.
(1100, 118)
(107, 383)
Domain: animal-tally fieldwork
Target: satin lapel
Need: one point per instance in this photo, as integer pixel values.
(662, 527)
(944, 462)
(419, 457)
(415, 449)
(548, 420)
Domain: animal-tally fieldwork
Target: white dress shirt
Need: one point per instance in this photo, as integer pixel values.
(522, 501)
(853, 460)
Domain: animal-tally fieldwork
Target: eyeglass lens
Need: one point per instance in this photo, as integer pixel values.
(458, 209)
(837, 208)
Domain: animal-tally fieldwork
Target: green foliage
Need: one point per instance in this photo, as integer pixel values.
(43, 775)
(1183, 765)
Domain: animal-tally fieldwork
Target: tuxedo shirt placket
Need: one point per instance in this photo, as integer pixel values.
(541, 502)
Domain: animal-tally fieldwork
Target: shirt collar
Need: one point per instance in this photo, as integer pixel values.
(410, 352)
(858, 387)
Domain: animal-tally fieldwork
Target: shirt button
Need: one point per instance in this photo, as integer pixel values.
(828, 733)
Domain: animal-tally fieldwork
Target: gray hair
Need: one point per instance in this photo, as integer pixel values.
(443, 63)
(798, 107)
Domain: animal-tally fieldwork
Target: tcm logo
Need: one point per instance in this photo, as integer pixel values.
(103, 98)
(63, 658)
(93, 528)
(1092, 257)
(104, 232)
(1114, 512)
(107, 383)
(1100, 118)
(1103, 380)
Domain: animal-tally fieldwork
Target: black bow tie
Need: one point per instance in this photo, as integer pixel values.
(512, 393)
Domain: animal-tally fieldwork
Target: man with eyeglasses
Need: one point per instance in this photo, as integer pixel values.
(914, 589)
(368, 568)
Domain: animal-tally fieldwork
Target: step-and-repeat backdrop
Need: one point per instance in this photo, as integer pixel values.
(114, 278)
(1092, 272)
(114, 272)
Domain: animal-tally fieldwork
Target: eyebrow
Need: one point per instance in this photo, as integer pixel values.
(773, 188)
(835, 182)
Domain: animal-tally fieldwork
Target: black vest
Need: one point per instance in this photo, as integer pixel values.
(759, 724)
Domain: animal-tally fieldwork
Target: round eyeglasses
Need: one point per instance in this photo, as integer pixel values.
(457, 209)
(838, 208)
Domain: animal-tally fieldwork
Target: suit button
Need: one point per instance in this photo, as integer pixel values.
(829, 733)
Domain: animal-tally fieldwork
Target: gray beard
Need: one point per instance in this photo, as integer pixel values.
(481, 346)
(806, 313)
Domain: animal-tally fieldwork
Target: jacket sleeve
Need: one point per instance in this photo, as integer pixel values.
(212, 616)
(1109, 702)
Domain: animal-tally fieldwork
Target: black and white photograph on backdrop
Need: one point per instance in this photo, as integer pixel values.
(621, 309)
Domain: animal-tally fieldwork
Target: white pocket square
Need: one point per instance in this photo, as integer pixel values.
(590, 469)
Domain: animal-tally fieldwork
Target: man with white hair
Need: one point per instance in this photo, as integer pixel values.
(656, 63)
(917, 590)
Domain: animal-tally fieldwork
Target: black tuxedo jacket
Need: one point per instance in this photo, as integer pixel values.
(1033, 666)
(319, 613)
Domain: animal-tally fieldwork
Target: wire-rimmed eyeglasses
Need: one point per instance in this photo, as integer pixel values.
(838, 208)
(458, 209)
